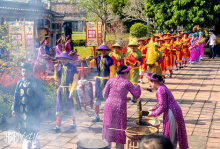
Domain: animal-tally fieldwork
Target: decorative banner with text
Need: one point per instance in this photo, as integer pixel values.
(93, 34)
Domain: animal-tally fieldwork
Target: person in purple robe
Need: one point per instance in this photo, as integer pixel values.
(73, 54)
(59, 47)
(173, 122)
(115, 111)
(106, 69)
(28, 106)
(67, 100)
(44, 58)
(193, 49)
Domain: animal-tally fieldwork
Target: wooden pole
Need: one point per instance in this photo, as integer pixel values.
(94, 52)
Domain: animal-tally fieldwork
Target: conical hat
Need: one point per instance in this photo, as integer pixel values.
(133, 43)
(116, 45)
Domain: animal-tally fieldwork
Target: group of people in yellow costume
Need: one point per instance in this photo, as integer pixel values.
(160, 54)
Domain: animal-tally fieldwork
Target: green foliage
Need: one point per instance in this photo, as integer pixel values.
(170, 13)
(50, 95)
(79, 42)
(150, 30)
(117, 6)
(138, 30)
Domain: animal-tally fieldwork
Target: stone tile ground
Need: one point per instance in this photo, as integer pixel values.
(196, 88)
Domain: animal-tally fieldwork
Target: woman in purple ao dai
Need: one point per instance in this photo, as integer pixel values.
(115, 111)
(173, 122)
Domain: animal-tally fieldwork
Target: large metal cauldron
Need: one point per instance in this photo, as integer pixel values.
(92, 144)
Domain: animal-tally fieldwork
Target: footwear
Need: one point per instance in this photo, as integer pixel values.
(181, 67)
(185, 66)
(141, 82)
(213, 58)
(149, 89)
(73, 126)
(134, 101)
(163, 80)
(56, 128)
(176, 69)
(96, 119)
(170, 76)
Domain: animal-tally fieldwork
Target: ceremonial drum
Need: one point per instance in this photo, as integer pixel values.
(85, 93)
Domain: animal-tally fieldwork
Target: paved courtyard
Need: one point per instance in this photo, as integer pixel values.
(196, 88)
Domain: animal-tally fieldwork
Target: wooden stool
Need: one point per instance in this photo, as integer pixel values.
(132, 144)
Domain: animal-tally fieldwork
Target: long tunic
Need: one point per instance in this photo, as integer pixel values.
(134, 59)
(166, 101)
(163, 50)
(201, 49)
(143, 67)
(115, 111)
(74, 56)
(118, 59)
(156, 69)
(192, 49)
(105, 70)
(185, 48)
(169, 56)
(41, 58)
(28, 103)
(178, 45)
(65, 75)
(58, 50)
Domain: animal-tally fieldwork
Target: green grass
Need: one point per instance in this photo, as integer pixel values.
(78, 36)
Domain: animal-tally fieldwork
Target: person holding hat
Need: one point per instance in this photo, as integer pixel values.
(59, 47)
(173, 122)
(105, 70)
(185, 48)
(178, 47)
(115, 111)
(169, 55)
(143, 67)
(133, 59)
(73, 54)
(44, 58)
(163, 50)
(67, 98)
(28, 106)
(154, 59)
(117, 56)
(201, 43)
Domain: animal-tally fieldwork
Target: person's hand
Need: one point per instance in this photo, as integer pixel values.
(150, 114)
(150, 109)
(88, 58)
(13, 113)
(213, 46)
(56, 66)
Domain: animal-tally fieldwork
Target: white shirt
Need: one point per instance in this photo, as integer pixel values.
(211, 39)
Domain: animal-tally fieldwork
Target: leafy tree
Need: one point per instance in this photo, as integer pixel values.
(170, 13)
(99, 10)
(117, 6)
(138, 30)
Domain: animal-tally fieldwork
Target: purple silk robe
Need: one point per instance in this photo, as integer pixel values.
(41, 58)
(58, 50)
(192, 49)
(166, 101)
(201, 49)
(71, 70)
(74, 56)
(100, 83)
(197, 50)
(115, 111)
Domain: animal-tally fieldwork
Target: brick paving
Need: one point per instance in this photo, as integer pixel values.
(195, 88)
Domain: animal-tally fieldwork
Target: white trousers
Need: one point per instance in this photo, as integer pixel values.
(173, 130)
(31, 144)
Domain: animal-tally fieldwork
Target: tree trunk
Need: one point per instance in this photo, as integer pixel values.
(104, 32)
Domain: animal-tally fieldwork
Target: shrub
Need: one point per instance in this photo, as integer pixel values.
(138, 30)
(79, 42)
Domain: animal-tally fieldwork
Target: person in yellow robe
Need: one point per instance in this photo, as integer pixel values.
(133, 59)
(117, 56)
(143, 67)
(185, 48)
(169, 55)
